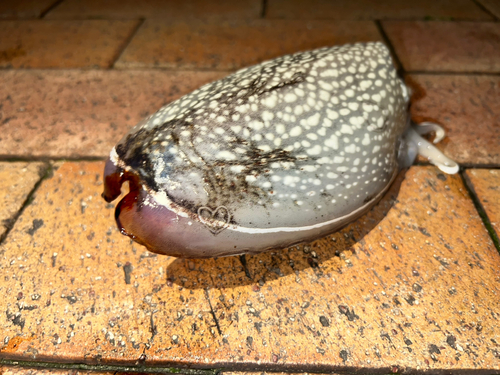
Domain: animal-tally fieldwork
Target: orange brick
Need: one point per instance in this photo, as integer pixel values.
(10, 9)
(411, 286)
(88, 290)
(164, 9)
(486, 185)
(17, 180)
(74, 114)
(399, 292)
(446, 46)
(62, 44)
(370, 10)
(467, 107)
(234, 44)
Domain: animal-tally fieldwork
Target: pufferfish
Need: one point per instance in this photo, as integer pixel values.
(275, 154)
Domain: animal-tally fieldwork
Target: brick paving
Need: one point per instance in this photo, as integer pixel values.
(17, 180)
(467, 107)
(210, 45)
(63, 44)
(421, 258)
(486, 185)
(446, 46)
(75, 113)
(412, 286)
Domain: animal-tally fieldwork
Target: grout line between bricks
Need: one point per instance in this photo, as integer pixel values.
(462, 165)
(76, 159)
(385, 37)
(408, 19)
(181, 70)
(480, 210)
(437, 19)
(238, 367)
(166, 69)
(107, 368)
(477, 166)
(201, 69)
(264, 9)
(485, 9)
(50, 8)
(212, 312)
(126, 43)
(445, 73)
(135, 69)
(27, 202)
(50, 158)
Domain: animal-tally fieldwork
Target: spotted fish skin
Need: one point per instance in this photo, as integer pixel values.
(271, 155)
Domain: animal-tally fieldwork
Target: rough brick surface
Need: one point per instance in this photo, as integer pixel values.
(234, 44)
(366, 9)
(80, 114)
(485, 183)
(17, 180)
(62, 44)
(446, 46)
(164, 9)
(467, 107)
(412, 285)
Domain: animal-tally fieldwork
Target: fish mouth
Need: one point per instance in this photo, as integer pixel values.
(114, 178)
(112, 181)
(137, 215)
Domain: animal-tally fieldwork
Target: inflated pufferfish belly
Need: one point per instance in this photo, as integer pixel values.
(272, 155)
